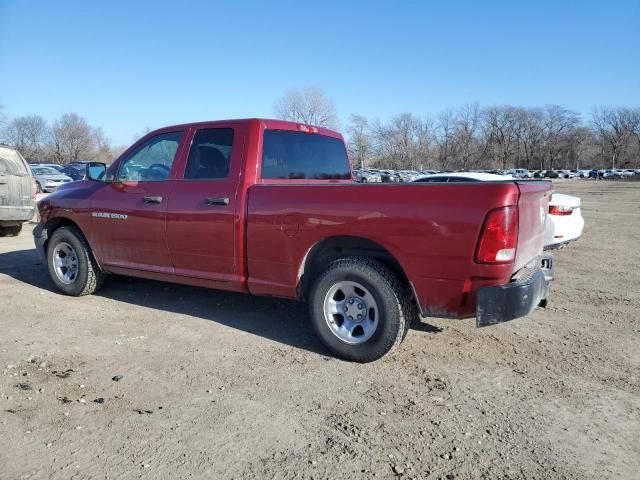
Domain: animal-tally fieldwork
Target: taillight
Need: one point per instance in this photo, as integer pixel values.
(560, 210)
(34, 188)
(499, 236)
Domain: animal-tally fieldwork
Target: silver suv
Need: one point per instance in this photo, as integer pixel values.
(17, 191)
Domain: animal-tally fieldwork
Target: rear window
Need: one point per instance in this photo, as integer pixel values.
(299, 155)
(11, 163)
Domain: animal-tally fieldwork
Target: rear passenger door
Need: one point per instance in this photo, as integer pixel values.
(204, 236)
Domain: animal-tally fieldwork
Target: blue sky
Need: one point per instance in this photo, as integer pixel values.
(128, 65)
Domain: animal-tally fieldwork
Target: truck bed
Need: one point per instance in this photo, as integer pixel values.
(430, 229)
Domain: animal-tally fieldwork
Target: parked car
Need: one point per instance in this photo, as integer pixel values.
(520, 173)
(369, 176)
(408, 175)
(462, 177)
(288, 221)
(76, 170)
(552, 174)
(48, 179)
(17, 191)
(564, 222)
(389, 176)
(51, 165)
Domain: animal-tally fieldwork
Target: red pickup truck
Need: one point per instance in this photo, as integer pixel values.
(269, 207)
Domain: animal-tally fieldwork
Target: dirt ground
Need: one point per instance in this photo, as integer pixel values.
(219, 385)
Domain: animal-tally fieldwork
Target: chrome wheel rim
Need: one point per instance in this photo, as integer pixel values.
(65, 263)
(351, 312)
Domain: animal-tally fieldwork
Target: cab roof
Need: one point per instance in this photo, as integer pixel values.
(265, 123)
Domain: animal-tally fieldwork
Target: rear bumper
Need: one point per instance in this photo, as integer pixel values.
(516, 299)
(16, 214)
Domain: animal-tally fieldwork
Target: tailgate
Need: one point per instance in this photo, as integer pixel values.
(533, 206)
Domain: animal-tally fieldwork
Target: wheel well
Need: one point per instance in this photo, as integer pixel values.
(59, 222)
(330, 249)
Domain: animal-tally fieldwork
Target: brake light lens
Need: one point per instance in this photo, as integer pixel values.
(560, 210)
(499, 236)
(307, 128)
(34, 188)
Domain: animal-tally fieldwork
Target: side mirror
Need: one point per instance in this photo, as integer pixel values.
(96, 171)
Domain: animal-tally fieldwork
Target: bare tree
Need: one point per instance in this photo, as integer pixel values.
(582, 140)
(631, 118)
(71, 138)
(466, 128)
(3, 118)
(502, 129)
(531, 130)
(359, 144)
(102, 147)
(309, 105)
(404, 142)
(444, 137)
(558, 123)
(610, 125)
(137, 136)
(28, 135)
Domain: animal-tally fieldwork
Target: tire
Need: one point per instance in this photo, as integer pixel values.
(364, 180)
(38, 187)
(12, 231)
(393, 310)
(88, 277)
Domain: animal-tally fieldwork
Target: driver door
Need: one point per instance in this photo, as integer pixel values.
(129, 214)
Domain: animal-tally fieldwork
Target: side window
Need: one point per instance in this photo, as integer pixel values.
(292, 155)
(151, 161)
(210, 154)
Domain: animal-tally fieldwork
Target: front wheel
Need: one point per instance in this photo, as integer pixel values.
(71, 264)
(360, 309)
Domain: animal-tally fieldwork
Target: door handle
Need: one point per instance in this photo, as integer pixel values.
(152, 199)
(217, 200)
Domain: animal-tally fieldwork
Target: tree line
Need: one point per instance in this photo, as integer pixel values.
(470, 137)
(67, 139)
(475, 137)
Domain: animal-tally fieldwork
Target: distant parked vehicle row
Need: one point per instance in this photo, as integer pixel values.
(374, 175)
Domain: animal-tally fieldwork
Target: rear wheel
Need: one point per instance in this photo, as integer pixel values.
(360, 309)
(71, 264)
(38, 187)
